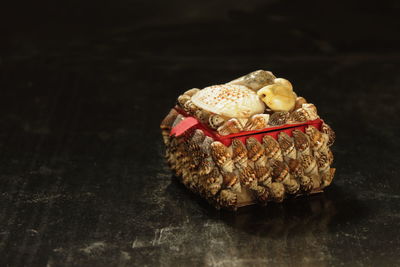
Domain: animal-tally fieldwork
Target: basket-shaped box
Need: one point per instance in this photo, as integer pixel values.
(234, 162)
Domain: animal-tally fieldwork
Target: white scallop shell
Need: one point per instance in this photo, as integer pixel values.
(234, 101)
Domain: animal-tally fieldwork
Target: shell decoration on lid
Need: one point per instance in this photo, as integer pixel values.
(233, 101)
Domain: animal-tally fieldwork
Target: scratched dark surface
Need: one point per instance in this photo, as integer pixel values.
(84, 85)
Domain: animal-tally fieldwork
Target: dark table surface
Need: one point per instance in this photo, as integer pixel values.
(84, 85)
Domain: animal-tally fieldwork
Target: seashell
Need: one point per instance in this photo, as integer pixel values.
(325, 128)
(257, 122)
(165, 136)
(255, 150)
(291, 186)
(280, 171)
(330, 156)
(233, 101)
(317, 140)
(239, 153)
(215, 121)
(309, 165)
(227, 199)
(213, 182)
(231, 180)
(277, 192)
(287, 145)
(222, 157)
(272, 149)
(306, 183)
(299, 102)
(322, 161)
(278, 118)
(182, 99)
(295, 167)
(306, 113)
(169, 119)
(255, 80)
(191, 92)
(194, 146)
(229, 127)
(248, 177)
(190, 107)
(327, 177)
(263, 174)
(263, 195)
(278, 96)
(177, 120)
(207, 163)
(301, 143)
(202, 115)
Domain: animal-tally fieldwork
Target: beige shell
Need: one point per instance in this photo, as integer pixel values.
(325, 128)
(182, 99)
(169, 119)
(230, 179)
(215, 121)
(322, 161)
(301, 142)
(287, 145)
(255, 150)
(272, 149)
(306, 113)
(213, 182)
(278, 118)
(239, 153)
(227, 199)
(317, 139)
(202, 115)
(255, 80)
(191, 92)
(292, 186)
(278, 96)
(277, 191)
(233, 101)
(222, 156)
(306, 183)
(299, 102)
(230, 127)
(263, 195)
(257, 122)
(190, 107)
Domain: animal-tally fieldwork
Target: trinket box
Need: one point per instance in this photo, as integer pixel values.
(251, 140)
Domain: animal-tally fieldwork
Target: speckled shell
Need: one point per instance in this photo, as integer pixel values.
(280, 171)
(229, 127)
(182, 99)
(317, 140)
(233, 101)
(263, 174)
(230, 179)
(287, 145)
(247, 177)
(255, 80)
(325, 128)
(215, 121)
(272, 149)
(239, 153)
(322, 161)
(202, 115)
(295, 167)
(278, 118)
(301, 142)
(190, 107)
(222, 156)
(306, 183)
(194, 146)
(207, 164)
(309, 165)
(213, 182)
(257, 122)
(255, 150)
(169, 119)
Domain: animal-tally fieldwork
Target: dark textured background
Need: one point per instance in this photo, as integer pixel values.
(84, 85)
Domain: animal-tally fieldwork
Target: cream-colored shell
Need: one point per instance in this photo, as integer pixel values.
(234, 101)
